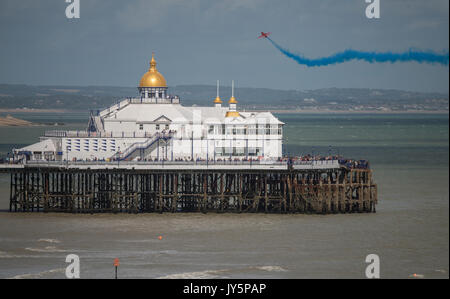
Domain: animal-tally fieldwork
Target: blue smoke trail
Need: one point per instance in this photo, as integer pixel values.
(347, 55)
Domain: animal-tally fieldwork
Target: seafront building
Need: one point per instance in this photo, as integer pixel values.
(156, 126)
(72, 171)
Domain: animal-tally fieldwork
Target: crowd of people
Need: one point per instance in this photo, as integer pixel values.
(293, 160)
(354, 164)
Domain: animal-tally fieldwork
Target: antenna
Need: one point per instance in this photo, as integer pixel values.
(217, 88)
(232, 88)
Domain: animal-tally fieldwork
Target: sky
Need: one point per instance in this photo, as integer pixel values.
(201, 41)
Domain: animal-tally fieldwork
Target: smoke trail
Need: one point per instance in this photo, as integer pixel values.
(347, 55)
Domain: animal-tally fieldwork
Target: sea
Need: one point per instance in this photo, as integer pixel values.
(409, 154)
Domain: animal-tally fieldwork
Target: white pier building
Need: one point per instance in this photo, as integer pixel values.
(156, 126)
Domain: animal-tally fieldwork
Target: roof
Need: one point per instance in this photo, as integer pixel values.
(46, 145)
(176, 113)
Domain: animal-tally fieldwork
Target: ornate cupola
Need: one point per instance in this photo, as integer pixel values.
(153, 85)
(232, 104)
(218, 101)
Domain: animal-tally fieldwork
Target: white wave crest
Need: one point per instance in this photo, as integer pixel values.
(39, 274)
(208, 274)
(271, 268)
(49, 240)
(46, 249)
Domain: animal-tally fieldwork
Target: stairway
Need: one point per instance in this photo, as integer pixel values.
(143, 145)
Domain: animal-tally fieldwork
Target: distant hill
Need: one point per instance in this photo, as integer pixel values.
(10, 121)
(340, 99)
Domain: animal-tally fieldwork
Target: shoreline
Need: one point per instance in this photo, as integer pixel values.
(279, 111)
(27, 110)
(10, 121)
(284, 111)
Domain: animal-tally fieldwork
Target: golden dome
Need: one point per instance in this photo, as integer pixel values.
(232, 100)
(232, 114)
(152, 78)
(217, 101)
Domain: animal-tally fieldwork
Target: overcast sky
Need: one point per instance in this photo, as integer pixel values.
(197, 42)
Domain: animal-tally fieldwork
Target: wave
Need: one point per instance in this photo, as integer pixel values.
(211, 274)
(271, 268)
(38, 275)
(49, 240)
(46, 249)
(207, 274)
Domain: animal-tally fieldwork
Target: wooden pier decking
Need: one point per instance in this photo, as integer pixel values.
(188, 189)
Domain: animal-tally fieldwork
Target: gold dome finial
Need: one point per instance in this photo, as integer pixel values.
(152, 78)
(153, 63)
(232, 109)
(217, 100)
(232, 99)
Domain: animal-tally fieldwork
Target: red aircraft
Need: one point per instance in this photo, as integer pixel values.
(265, 35)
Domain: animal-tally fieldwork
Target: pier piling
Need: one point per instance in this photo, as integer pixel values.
(241, 191)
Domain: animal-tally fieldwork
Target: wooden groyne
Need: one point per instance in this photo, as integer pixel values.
(46, 189)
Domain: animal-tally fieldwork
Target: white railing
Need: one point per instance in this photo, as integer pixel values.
(86, 134)
(161, 162)
(127, 101)
(316, 162)
(115, 107)
(167, 100)
(142, 145)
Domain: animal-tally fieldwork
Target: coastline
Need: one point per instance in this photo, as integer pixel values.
(10, 121)
(31, 110)
(324, 111)
(280, 111)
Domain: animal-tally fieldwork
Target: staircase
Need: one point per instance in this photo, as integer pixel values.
(143, 145)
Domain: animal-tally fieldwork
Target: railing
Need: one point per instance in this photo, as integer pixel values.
(87, 134)
(186, 163)
(156, 163)
(115, 107)
(316, 162)
(127, 101)
(167, 100)
(98, 123)
(142, 145)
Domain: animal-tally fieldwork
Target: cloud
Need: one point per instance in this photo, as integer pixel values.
(151, 15)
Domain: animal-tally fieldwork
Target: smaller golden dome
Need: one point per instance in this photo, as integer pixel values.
(217, 100)
(152, 78)
(232, 101)
(232, 114)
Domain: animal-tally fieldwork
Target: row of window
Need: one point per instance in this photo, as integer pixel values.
(251, 130)
(90, 144)
(87, 149)
(157, 127)
(238, 151)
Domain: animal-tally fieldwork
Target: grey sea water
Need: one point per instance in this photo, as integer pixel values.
(410, 231)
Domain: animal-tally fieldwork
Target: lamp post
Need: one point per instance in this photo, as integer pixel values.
(118, 156)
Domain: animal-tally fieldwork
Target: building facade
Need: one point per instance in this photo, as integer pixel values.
(156, 126)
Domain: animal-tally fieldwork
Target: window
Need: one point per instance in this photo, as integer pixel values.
(157, 127)
(211, 130)
(141, 127)
(167, 127)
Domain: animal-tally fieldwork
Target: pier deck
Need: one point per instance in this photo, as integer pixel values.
(135, 187)
(176, 165)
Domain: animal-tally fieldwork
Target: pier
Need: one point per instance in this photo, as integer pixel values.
(320, 187)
